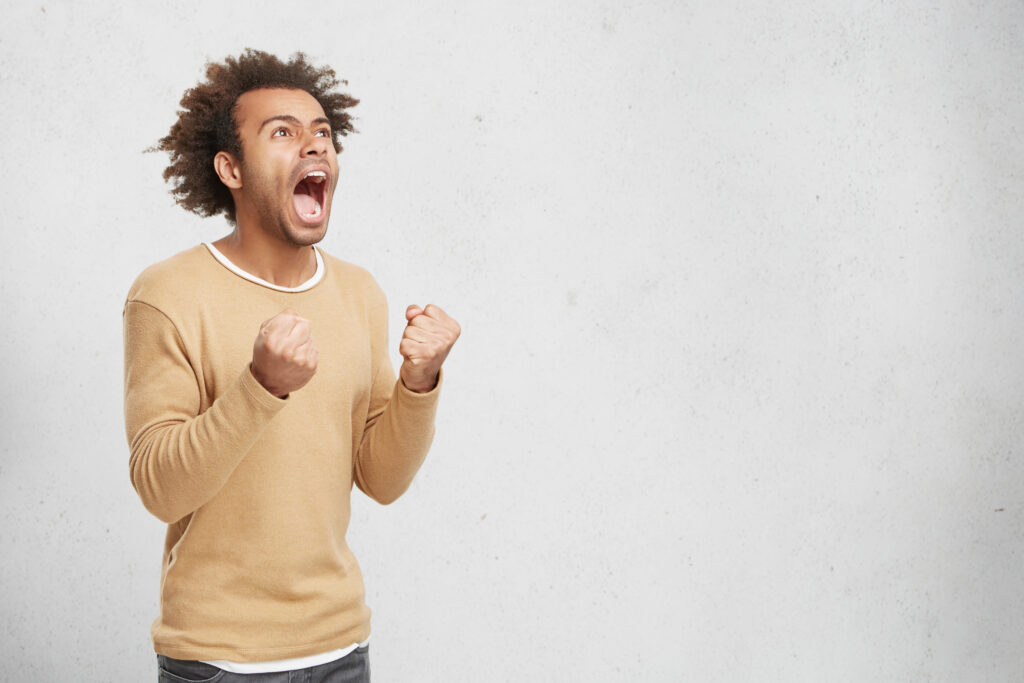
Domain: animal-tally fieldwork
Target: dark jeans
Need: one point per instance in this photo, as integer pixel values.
(352, 668)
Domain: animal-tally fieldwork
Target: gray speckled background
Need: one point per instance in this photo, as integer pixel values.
(739, 394)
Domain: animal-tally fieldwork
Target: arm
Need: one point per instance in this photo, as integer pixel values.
(180, 458)
(396, 440)
(400, 420)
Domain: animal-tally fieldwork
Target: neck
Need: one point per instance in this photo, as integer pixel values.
(274, 260)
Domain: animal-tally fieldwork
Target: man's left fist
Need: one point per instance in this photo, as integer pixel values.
(428, 337)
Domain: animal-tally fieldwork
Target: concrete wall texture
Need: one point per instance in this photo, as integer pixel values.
(739, 393)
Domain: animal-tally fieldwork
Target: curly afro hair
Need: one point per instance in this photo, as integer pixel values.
(206, 123)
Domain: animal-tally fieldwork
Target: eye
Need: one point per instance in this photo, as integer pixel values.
(323, 132)
(279, 133)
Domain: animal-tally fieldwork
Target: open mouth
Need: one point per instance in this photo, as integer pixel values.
(309, 196)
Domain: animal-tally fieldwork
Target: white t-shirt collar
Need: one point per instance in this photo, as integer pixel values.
(308, 284)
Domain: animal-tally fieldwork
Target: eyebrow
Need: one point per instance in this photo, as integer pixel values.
(288, 118)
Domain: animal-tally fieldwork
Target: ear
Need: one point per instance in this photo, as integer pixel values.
(228, 169)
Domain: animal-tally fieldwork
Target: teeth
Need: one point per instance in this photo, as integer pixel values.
(319, 176)
(316, 211)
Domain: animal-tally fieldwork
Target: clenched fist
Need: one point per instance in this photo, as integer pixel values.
(284, 357)
(427, 339)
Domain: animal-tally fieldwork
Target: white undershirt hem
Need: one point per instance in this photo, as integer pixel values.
(279, 665)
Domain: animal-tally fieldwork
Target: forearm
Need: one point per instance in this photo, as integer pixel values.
(178, 465)
(395, 444)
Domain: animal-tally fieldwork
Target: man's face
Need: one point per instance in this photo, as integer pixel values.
(289, 167)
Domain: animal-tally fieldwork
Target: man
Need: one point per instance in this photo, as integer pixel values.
(258, 388)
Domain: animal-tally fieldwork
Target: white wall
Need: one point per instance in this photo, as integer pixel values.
(738, 396)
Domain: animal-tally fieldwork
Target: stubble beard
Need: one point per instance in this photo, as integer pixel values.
(277, 223)
(275, 219)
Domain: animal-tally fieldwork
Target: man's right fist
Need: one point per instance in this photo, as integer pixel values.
(284, 357)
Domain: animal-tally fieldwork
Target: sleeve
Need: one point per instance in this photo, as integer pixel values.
(399, 423)
(180, 458)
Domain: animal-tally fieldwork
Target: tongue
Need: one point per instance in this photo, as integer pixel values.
(304, 204)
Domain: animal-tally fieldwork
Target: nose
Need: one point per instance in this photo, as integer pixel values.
(315, 145)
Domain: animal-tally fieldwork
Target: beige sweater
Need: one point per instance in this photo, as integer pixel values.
(255, 489)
